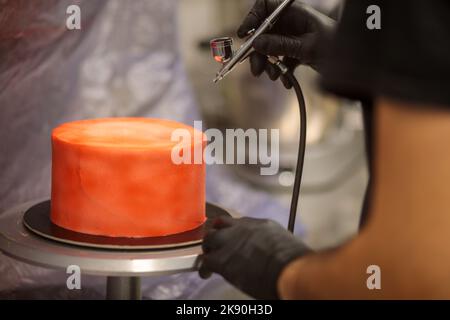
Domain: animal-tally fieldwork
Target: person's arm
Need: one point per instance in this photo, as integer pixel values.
(407, 235)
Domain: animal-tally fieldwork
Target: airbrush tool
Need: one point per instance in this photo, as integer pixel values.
(222, 50)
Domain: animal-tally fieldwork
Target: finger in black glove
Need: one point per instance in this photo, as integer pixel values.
(250, 254)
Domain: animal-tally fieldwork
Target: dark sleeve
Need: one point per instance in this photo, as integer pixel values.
(408, 59)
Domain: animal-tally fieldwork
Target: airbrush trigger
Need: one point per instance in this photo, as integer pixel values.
(249, 34)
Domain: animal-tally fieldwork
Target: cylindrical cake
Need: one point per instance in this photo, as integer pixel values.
(116, 177)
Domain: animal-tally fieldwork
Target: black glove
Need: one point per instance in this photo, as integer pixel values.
(250, 254)
(296, 36)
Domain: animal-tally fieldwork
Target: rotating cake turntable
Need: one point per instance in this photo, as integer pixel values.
(37, 219)
(123, 261)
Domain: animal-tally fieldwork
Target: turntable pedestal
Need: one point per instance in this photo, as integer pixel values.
(123, 268)
(123, 288)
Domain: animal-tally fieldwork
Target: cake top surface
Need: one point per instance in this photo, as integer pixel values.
(123, 132)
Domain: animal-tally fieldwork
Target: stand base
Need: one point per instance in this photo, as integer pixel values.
(123, 288)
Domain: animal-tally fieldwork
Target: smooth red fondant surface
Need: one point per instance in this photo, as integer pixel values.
(115, 177)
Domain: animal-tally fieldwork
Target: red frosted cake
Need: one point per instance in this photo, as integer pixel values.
(115, 177)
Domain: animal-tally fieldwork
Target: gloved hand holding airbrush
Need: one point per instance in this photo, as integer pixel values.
(295, 36)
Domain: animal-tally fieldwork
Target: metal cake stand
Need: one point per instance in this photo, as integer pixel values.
(123, 268)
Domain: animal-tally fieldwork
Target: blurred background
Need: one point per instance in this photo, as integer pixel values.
(151, 58)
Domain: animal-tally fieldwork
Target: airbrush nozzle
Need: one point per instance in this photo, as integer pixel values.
(222, 73)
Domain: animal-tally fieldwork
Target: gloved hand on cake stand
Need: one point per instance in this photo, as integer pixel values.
(250, 254)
